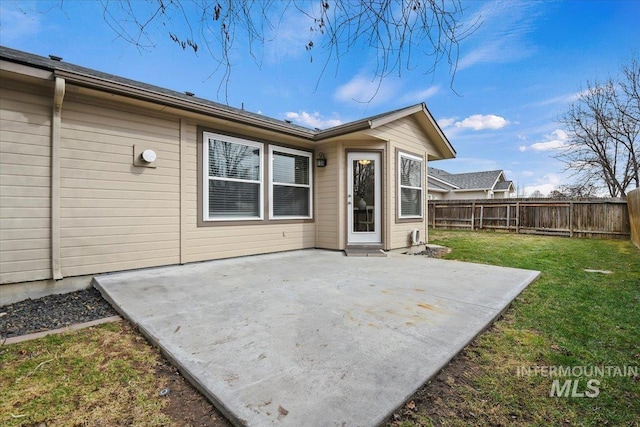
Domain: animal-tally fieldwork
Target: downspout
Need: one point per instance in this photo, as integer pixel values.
(56, 122)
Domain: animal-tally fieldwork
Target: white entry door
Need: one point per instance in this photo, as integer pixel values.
(364, 201)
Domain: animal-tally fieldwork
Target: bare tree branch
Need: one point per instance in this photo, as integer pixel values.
(604, 129)
(404, 34)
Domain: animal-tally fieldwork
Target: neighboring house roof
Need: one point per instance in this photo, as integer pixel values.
(504, 185)
(472, 181)
(90, 78)
(438, 186)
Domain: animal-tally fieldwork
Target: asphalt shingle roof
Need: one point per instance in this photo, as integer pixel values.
(41, 62)
(473, 180)
(503, 185)
(484, 180)
(194, 102)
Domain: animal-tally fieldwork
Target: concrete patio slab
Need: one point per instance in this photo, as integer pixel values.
(313, 338)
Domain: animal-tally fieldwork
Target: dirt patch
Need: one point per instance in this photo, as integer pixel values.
(437, 401)
(186, 406)
(434, 252)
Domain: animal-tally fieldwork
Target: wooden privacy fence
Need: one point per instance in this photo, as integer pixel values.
(606, 218)
(633, 199)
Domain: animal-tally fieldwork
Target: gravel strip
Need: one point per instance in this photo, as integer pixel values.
(53, 312)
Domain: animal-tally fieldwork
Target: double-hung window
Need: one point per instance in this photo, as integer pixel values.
(410, 180)
(232, 178)
(290, 183)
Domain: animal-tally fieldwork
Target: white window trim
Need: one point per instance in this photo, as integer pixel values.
(293, 151)
(400, 186)
(206, 178)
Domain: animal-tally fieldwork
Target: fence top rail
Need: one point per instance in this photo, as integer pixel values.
(527, 201)
(457, 205)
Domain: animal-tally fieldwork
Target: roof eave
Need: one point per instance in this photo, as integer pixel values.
(77, 77)
(442, 181)
(495, 182)
(451, 152)
(341, 130)
(174, 101)
(464, 190)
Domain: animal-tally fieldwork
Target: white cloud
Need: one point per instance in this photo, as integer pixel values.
(446, 122)
(312, 120)
(469, 164)
(526, 173)
(290, 33)
(502, 34)
(374, 91)
(562, 99)
(557, 139)
(480, 122)
(522, 148)
(366, 90)
(420, 95)
(546, 184)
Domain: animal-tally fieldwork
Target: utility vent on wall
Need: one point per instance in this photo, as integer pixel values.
(415, 236)
(144, 157)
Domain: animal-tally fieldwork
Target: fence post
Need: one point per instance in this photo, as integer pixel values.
(481, 215)
(508, 218)
(434, 215)
(518, 217)
(473, 216)
(571, 219)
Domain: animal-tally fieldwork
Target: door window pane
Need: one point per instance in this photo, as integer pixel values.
(364, 196)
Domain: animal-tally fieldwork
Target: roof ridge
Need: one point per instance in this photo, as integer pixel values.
(112, 83)
(42, 62)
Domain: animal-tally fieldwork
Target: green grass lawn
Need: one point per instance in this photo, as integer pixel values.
(567, 318)
(98, 376)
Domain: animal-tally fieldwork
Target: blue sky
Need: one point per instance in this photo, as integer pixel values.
(517, 73)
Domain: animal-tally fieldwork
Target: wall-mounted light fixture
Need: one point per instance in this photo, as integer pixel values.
(321, 161)
(144, 157)
(148, 156)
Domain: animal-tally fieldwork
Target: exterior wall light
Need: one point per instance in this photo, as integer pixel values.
(149, 156)
(144, 157)
(321, 161)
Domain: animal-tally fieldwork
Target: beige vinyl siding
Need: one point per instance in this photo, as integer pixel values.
(326, 203)
(25, 193)
(116, 216)
(230, 241)
(405, 135)
(461, 195)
